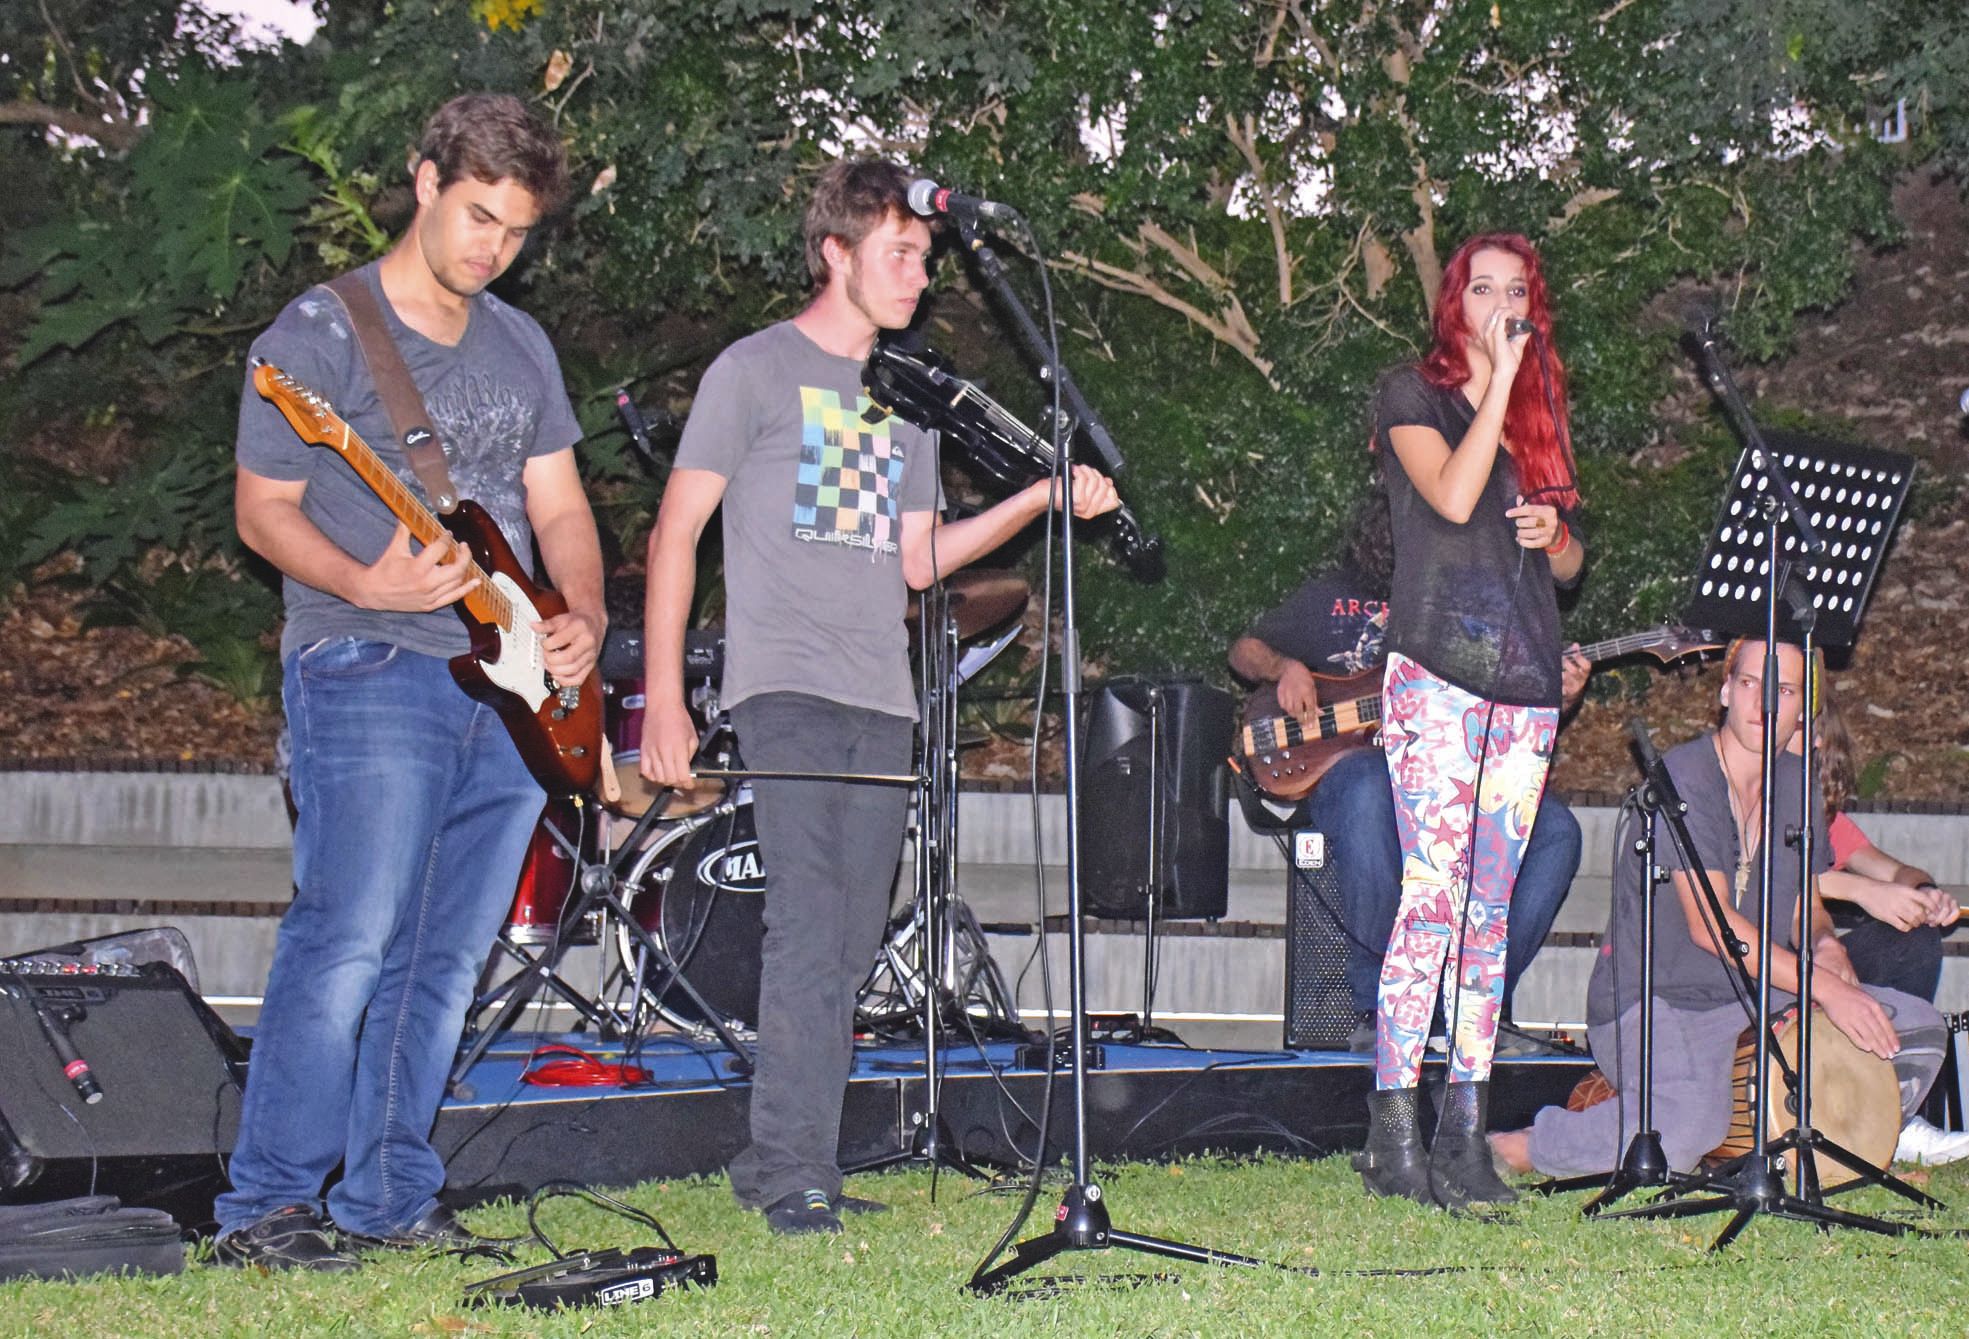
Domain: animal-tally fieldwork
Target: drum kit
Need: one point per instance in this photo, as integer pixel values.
(667, 886)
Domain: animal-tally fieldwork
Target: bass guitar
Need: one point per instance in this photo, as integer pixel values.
(1286, 755)
(558, 727)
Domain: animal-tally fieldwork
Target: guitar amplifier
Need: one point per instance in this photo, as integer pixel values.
(1319, 1008)
(167, 1069)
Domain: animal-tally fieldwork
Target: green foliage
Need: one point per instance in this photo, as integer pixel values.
(221, 613)
(1245, 208)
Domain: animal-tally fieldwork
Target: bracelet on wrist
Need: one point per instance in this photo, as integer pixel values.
(1564, 541)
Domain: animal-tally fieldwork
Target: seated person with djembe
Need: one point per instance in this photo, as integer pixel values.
(1891, 915)
(1698, 1017)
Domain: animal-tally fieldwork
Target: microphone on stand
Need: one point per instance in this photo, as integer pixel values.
(1700, 337)
(632, 419)
(54, 1023)
(929, 199)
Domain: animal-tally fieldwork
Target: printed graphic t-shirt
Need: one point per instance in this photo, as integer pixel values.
(813, 507)
(495, 398)
(1333, 624)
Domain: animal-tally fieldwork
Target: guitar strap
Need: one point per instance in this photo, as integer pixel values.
(411, 421)
(398, 392)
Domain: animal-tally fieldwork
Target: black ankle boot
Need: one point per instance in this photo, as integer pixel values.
(1460, 1169)
(1394, 1163)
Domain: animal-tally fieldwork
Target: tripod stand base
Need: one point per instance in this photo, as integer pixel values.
(932, 1145)
(1643, 1167)
(1081, 1224)
(1750, 1185)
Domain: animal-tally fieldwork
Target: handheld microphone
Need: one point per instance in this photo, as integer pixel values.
(55, 1024)
(929, 199)
(632, 419)
(1515, 326)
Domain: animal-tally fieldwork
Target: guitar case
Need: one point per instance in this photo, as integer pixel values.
(95, 1234)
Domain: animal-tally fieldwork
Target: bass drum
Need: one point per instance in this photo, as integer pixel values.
(704, 905)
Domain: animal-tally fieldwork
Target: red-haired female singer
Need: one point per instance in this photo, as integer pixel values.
(1474, 448)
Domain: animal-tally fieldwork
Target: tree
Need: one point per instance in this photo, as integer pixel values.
(1245, 208)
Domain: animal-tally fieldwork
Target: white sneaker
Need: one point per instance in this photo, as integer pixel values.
(1922, 1143)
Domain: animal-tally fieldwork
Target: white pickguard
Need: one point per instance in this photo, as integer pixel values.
(521, 668)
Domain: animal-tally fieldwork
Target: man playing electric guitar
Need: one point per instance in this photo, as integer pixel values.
(1332, 625)
(414, 805)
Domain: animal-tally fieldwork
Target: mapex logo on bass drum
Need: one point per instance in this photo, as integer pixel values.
(737, 868)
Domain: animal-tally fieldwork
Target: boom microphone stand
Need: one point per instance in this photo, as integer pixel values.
(1645, 1163)
(1082, 1221)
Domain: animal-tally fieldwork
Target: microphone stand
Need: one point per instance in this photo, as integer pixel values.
(1082, 1221)
(1645, 1162)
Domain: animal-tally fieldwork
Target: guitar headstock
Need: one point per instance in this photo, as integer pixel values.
(1671, 642)
(305, 411)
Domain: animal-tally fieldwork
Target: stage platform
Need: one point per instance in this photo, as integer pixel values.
(1147, 1102)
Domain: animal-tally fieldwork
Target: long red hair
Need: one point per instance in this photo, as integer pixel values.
(1536, 431)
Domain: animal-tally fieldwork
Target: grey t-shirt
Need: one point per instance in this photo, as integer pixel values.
(1687, 975)
(813, 506)
(1468, 603)
(495, 398)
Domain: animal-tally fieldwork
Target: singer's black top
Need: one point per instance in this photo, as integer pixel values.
(1467, 603)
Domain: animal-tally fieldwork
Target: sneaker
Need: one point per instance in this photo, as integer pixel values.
(291, 1238)
(802, 1211)
(1924, 1144)
(846, 1203)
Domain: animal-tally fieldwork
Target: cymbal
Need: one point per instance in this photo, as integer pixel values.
(979, 602)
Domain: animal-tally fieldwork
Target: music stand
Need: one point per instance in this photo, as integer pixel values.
(1788, 560)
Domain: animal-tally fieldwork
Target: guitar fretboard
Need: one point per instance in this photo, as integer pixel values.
(1283, 732)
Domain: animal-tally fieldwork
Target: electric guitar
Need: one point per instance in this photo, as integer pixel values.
(1285, 755)
(558, 727)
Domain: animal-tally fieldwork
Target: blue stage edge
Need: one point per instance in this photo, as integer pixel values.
(504, 1136)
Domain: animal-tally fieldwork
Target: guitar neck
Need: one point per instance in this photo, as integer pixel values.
(486, 603)
(1615, 647)
(1356, 713)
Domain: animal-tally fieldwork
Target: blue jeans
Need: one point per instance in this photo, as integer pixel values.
(414, 812)
(1354, 805)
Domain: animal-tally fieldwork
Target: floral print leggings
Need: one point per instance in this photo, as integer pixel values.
(1438, 755)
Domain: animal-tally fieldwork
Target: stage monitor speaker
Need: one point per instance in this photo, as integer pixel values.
(1319, 1007)
(1155, 791)
(170, 1073)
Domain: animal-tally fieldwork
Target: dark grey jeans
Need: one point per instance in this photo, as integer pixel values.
(830, 851)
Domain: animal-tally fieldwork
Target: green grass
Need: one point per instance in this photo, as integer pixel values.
(1537, 1269)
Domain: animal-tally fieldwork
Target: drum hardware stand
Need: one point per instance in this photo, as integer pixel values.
(1763, 498)
(931, 1141)
(599, 884)
(607, 1023)
(1082, 1221)
(1645, 1163)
